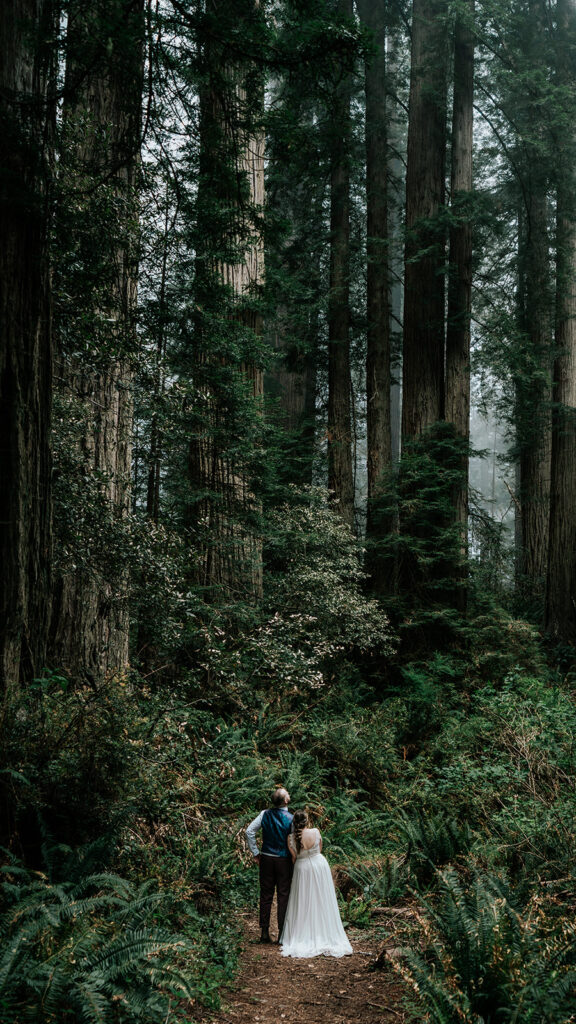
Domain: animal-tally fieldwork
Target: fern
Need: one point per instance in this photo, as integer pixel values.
(484, 961)
(86, 952)
(433, 840)
(382, 882)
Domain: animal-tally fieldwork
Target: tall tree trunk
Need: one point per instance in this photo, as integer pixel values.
(156, 430)
(102, 131)
(378, 377)
(340, 469)
(229, 276)
(423, 361)
(396, 203)
(25, 337)
(561, 577)
(533, 415)
(457, 408)
(426, 563)
(292, 381)
(533, 392)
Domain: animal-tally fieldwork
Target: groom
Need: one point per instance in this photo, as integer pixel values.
(273, 859)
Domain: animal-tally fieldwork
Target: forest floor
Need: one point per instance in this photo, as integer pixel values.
(272, 989)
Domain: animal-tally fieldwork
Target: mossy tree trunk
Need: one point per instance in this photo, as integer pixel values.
(98, 274)
(226, 365)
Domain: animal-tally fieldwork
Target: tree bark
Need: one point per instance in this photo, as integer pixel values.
(560, 617)
(291, 383)
(378, 376)
(26, 110)
(423, 361)
(533, 413)
(533, 390)
(457, 409)
(340, 468)
(90, 627)
(396, 204)
(230, 198)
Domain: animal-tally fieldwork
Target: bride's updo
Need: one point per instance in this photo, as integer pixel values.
(300, 822)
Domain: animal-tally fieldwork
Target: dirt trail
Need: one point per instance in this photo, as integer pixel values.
(272, 989)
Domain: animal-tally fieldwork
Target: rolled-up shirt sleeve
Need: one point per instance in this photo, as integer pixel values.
(251, 831)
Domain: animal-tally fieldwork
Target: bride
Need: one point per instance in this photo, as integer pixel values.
(312, 925)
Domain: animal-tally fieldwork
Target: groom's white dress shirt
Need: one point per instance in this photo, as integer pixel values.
(251, 831)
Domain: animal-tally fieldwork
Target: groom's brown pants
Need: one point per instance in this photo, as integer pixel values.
(275, 874)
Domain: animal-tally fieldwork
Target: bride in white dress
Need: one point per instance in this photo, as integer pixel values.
(312, 925)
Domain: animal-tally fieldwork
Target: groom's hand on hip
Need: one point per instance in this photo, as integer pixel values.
(257, 859)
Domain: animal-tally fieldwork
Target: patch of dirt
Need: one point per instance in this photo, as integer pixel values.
(272, 989)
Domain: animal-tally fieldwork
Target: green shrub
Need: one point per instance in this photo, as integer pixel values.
(356, 910)
(70, 762)
(91, 951)
(356, 748)
(484, 961)
(380, 883)
(433, 840)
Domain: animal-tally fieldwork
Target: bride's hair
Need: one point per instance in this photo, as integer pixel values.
(300, 822)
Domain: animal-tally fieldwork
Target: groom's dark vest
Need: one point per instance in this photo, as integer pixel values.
(276, 824)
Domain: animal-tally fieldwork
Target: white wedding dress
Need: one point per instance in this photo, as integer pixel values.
(312, 925)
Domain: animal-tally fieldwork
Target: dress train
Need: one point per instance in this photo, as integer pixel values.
(313, 926)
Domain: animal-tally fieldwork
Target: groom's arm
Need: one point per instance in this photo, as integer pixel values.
(251, 831)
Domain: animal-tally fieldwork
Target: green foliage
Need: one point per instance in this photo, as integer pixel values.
(92, 951)
(433, 840)
(97, 540)
(450, 770)
(72, 757)
(316, 573)
(380, 883)
(356, 911)
(357, 746)
(485, 961)
(424, 554)
(505, 768)
(314, 620)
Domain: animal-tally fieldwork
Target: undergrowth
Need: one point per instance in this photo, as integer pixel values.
(447, 778)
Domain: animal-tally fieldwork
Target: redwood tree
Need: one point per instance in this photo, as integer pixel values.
(26, 111)
(561, 575)
(423, 346)
(226, 368)
(457, 403)
(457, 406)
(534, 361)
(97, 273)
(378, 376)
(340, 469)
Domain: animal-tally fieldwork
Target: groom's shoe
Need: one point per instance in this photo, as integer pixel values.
(265, 937)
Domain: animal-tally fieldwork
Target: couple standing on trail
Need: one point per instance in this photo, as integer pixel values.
(291, 863)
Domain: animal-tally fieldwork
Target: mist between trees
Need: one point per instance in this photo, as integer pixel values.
(287, 483)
